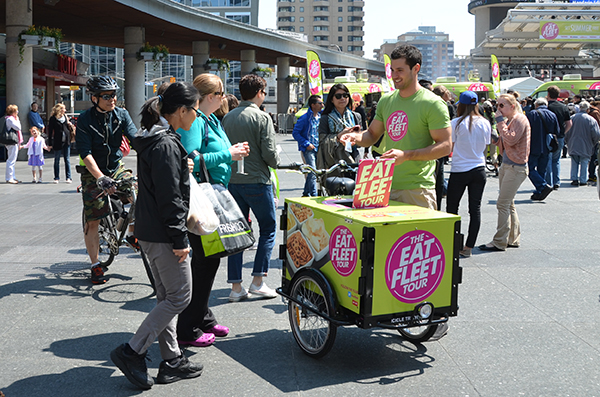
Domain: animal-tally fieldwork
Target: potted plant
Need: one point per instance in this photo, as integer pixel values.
(262, 72)
(216, 64)
(149, 53)
(295, 78)
(42, 36)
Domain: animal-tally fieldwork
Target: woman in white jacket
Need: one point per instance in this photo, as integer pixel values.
(12, 122)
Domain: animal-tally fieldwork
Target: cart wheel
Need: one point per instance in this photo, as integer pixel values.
(314, 334)
(418, 334)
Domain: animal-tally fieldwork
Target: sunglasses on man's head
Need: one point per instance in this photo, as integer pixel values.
(108, 97)
(342, 95)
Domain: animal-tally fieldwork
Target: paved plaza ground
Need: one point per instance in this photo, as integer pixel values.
(528, 323)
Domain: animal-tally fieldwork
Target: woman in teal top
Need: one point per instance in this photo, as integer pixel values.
(197, 325)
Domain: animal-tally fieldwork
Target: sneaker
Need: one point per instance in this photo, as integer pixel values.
(133, 366)
(206, 339)
(465, 253)
(575, 183)
(184, 369)
(583, 183)
(34, 181)
(263, 291)
(218, 330)
(98, 276)
(238, 296)
(592, 179)
(39, 180)
(69, 181)
(133, 242)
(55, 181)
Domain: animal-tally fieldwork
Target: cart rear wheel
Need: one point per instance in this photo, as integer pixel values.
(418, 334)
(314, 334)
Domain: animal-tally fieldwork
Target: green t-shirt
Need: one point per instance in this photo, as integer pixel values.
(407, 122)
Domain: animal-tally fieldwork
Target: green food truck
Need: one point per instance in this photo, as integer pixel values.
(394, 267)
(483, 90)
(570, 85)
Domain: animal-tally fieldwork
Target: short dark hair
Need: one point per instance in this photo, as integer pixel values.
(332, 91)
(410, 53)
(250, 85)
(313, 99)
(553, 92)
(426, 84)
(177, 95)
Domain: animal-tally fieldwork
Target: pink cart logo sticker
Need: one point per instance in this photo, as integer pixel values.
(415, 266)
(549, 31)
(342, 251)
(397, 125)
(374, 88)
(595, 86)
(477, 87)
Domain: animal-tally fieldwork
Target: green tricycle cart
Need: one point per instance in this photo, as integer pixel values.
(394, 267)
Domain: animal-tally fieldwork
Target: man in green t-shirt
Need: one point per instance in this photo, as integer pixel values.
(417, 131)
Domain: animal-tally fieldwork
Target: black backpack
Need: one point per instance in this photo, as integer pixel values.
(8, 137)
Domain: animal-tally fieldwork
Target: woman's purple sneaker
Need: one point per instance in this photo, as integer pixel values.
(206, 339)
(218, 330)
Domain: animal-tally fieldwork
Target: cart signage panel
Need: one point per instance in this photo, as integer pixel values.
(373, 183)
(343, 251)
(415, 266)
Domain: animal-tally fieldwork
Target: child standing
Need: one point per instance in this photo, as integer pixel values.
(35, 147)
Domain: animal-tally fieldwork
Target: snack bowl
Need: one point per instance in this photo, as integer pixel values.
(292, 222)
(299, 251)
(301, 213)
(315, 234)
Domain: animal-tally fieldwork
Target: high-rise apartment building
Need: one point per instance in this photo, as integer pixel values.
(332, 24)
(437, 50)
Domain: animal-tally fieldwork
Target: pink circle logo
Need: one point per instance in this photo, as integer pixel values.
(549, 31)
(495, 70)
(477, 87)
(388, 71)
(374, 88)
(314, 69)
(595, 86)
(415, 266)
(397, 125)
(342, 251)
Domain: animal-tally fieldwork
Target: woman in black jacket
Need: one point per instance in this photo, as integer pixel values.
(160, 226)
(59, 139)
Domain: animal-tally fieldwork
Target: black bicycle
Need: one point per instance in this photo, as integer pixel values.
(339, 180)
(113, 228)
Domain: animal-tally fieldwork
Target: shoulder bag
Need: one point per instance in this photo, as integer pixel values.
(551, 139)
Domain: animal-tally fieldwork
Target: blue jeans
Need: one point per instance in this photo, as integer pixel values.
(553, 170)
(66, 153)
(579, 166)
(537, 170)
(310, 186)
(258, 197)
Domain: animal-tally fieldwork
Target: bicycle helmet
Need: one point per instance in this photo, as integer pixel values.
(97, 84)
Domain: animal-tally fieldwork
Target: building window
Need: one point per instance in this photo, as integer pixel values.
(288, 28)
(355, 38)
(320, 8)
(301, 9)
(340, 28)
(354, 9)
(239, 3)
(286, 9)
(340, 19)
(354, 28)
(271, 91)
(321, 38)
(243, 17)
(340, 9)
(287, 19)
(317, 19)
(354, 19)
(322, 28)
(302, 28)
(301, 19)
(340, 38)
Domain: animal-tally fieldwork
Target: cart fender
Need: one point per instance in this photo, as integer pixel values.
(319, 278)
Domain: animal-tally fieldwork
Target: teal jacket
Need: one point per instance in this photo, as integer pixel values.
(207, 136)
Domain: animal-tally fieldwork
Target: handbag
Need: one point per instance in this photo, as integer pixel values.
(233, 234)
(551, 140)
(72, 131)
(201, 218)
(8, 137)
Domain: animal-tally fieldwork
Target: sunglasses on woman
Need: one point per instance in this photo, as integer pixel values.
(340, 95)
(501, 105)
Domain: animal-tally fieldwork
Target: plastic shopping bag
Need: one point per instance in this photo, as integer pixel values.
(202, 219)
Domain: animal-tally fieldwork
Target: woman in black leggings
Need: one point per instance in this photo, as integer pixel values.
(471, 133)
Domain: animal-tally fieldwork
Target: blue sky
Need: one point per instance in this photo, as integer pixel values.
(383, 22)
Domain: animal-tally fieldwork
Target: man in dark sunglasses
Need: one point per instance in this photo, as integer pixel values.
(99, 136)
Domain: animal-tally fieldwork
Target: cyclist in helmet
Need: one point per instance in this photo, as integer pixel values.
(100, 131)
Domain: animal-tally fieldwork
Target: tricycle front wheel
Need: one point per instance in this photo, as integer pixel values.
(314, 334)
(418, 334)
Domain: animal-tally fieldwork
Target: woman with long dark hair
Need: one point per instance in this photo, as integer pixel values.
(160, 226)
(470, 135)
(336, 117)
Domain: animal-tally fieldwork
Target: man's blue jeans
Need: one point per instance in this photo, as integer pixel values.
(259, 198)
(537, 170)
(66, 153)
(310, 185)
(553, 170)
(579, 168)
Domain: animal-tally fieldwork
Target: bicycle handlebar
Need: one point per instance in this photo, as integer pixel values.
(305, 168)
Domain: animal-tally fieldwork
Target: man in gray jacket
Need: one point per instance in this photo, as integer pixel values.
(251, 187)
(581, 139)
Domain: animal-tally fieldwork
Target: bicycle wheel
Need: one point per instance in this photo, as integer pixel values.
(107, 240)
(418, 334)
(314, 334)
(148, 269)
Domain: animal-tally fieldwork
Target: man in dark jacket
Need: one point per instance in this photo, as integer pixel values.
(306, 132)
(564, 122)
(100, 131)
(543, 122)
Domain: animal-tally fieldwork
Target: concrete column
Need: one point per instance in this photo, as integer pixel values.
(248, 59)
(200, 54)
(283, 87)
(19, 71)
(135, 72)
